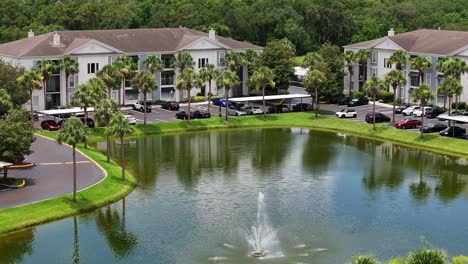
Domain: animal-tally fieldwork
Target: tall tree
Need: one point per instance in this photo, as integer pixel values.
(208, 74)
(31, 80)
(262, 78)
(228, 80)
(145, 82)
(182, 61)
(46, 68)
(72, 133)
(423, 94)
(374, 86)
(450, 86)
(187, 80)
(16, 136)
(312, 82)
(234, 61)
(454, 67)
(251, 59)
(395, 78)
(154, 64)
(127, 67)
(5, 102)
(278, 56)
(9, 74)
(112, 77)
(399, 58)
(120, 127)
(361, 57)
(70, 65)
(349, 59)
(420, 63)
(104, 111)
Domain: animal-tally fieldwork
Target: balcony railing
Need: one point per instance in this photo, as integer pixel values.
(167, 81)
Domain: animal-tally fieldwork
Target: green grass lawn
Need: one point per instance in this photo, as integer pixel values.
(112, 188)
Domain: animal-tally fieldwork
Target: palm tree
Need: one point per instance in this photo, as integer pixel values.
(361, 57)
(313, 80)
(262, 78)
(313, 60)
(70, 65)
(153, 64)
(126, 66)
(420, 64)
(234, 61)
(427, 256)
(399, 58)
(208, 74)
(183, 61)
(395, 79)
(120, 127)
(72, 133)
(251, 59)
(5, 101)
(423, 94)
(228, 80)
(104, 112)
(31, 80)
(450, 86)
(349, 57)
(374, 86)
(186, 81)
(45, 67)
(112, 77)
(455, 68)
(365, 260)
(145, 82)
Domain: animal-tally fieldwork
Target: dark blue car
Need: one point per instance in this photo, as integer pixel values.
(221, 102)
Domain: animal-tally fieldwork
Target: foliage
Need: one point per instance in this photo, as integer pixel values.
(278, 56)
(183, 60)
(365, 260)
(357, 94)
(197, 99)
(8, 81)
(72, 132)
(461, 105)
(427, 256)
(261, 79)
(460, 260)
(5, 102)
(16, 136)
(386, 97)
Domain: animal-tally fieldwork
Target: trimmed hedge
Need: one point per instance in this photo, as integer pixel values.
(386, 97)
(197, 99)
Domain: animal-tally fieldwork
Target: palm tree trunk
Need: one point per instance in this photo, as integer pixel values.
(316, 101)
(188, 114)
(45, 96)
(86, 125)
(108, 148)
(373, 112)
(31, 103)
(209, 96)
(394, 102)
(120, 98)
(227, 102)
(74, 174)
(123, 97)
(264, 107)
(122, 156)
(66, 88)
(108, 93)
(350, 69)
(144, 108)
(422, 121)
(445, 101)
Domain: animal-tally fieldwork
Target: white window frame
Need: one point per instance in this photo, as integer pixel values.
(90, 67)
(374, 71)
(184, 93)
(221, 57)
(202, 62)
(70, 82)
(374, 56)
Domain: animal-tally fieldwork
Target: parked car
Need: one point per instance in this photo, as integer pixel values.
(140, 106)
(409, 110)
(345, 100)
(90, 122)
(346, 113)
(336, 98)
(433, 127)
(408, 123)
(200, 114)
(183, 115)
(173, 106)
(50, 125)
(453, 132)
(419, 112)
(278, 109)
(236, 111)
(34, 116)
(131, 119)
(379, 118)
(221, 102)
(434, 112)
(253, 110)
(400, 108)
(358, 102)
(302, 107)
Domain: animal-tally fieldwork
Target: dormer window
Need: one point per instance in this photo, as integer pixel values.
(93, 68)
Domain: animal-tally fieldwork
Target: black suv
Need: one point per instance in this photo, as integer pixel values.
(379, 118)
(173, 106)
(453, 132)
(359, 101)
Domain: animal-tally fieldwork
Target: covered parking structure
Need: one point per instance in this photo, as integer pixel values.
(456, 118)
(63, 113)
(278, 98)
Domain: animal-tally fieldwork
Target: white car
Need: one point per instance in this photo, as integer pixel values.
(253, 110)
(236, 112)
(409, 111)
(418, 112)
(346, 113)
(140, 106)
(131, 119)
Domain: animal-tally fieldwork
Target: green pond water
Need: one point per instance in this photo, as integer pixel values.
(326, 197)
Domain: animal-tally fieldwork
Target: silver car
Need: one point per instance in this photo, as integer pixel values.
(235, 111)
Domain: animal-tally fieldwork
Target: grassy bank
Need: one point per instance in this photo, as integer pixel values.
(110, 189)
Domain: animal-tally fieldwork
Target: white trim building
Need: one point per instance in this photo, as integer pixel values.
(434, 44)
(96, 48)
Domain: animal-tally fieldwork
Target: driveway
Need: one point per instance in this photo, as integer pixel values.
(52, 175)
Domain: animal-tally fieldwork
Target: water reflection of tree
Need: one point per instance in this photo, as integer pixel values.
(420, 190)
(271, 147)
(319, 151)
(14, 246)
(450, 186)
(76, 241)
(111, 223)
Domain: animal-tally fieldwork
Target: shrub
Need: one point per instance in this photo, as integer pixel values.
(461, 105)
(386, 97)
(460, 260)
(197, 99)
(216, 96)
(365, 260)
(16, 136)
(427, 256)
(357, 94)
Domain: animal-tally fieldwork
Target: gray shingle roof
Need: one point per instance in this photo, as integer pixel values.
(126, 40)
(428, 41)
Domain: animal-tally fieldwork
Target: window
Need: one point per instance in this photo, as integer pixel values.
(374, 57)
(93, 68)
(428, 80)
(387, 64)
(414, 81)
(221, 57)
(374, 72)
(71, 81)
(167, 78)
(202, 62)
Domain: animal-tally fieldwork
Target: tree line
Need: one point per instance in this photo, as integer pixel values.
(306, 23)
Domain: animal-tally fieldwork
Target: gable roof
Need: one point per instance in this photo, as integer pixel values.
(426, 41)
(126, 40)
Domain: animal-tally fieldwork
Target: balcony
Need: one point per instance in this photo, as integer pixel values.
(167, 81)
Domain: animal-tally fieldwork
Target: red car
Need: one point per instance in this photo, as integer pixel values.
(408, 123)
(50, 125)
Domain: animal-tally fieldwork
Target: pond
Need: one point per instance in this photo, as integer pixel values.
(304, 196)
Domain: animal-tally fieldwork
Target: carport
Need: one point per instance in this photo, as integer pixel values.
(280, 98)
(456, 118)
(61, 112)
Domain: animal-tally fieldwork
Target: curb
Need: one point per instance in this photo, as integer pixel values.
(23, 183)
(21, 166)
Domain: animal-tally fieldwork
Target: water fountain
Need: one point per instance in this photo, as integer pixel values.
(262, 238)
